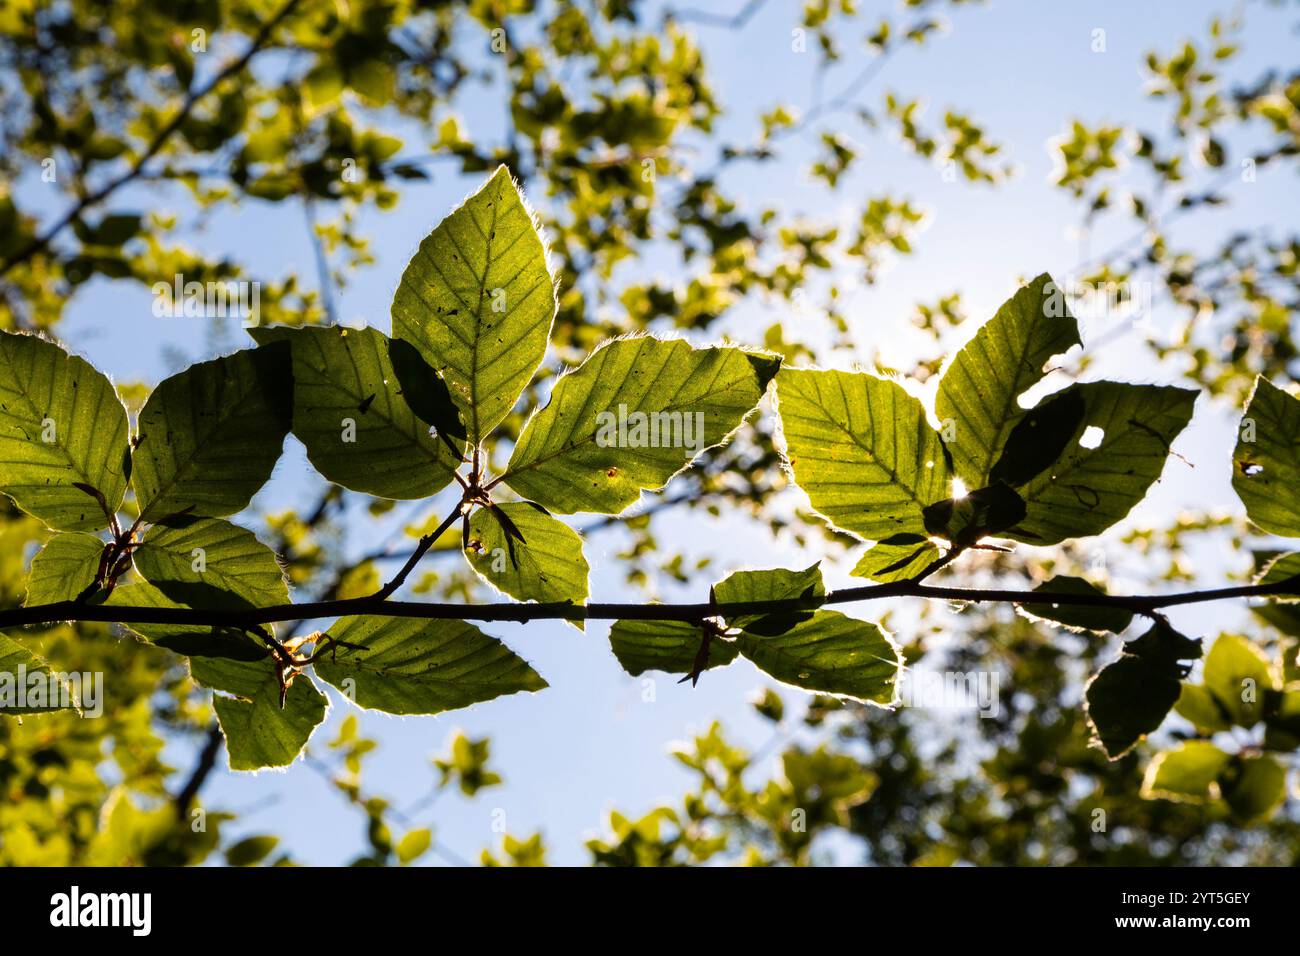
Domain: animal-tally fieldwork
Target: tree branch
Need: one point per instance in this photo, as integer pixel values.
(199, 775)
(93, 198)
(1146, 604)
(735, 21)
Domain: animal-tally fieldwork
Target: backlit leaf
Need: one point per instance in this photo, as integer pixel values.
(1006, 357)
(63, 435)
(1186, 773)
(1200, 707)
(899, 557)
(64, 568)
(669, 646)
(477, 300)
(350, 410)
(860, 446)
(1282, 568)
(1077, 617)
(741, 587)
(407, 666)
(1238, 673)
(18, 692)
(192, 640)
(829, 653)
(1089, 489)
(210, 436)
(634, 414)
(259, 733)
(1131, 697)
(210, 563)
(1266, 462)
(545, 564)
(1254, 785)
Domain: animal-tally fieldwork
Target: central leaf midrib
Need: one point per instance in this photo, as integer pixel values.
(478, 312)
(986, 462)
(390, 670)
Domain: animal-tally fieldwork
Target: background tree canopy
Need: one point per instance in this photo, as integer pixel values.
(997, 298)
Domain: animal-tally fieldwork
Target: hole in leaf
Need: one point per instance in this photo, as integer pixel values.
(1091, 437)
(1250, 469)
(958, 488)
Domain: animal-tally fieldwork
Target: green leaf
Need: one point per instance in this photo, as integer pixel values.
(778, 584)
(1089, 489)
(669, 646)
(1202, 709)
(427, 394)
(18, 691)
(899, 557)
(1266, 462)
(829, 653)
(817, 650)
(1131, 697)
(1280, 615)
(994, 510)
(1039, 438)
(521, 550)
(251, 850)
(1282, 720)
(979, 390)
(1281, 568)
(350, 410)
(1254, 786)
(477, 300)
(1128, 700)
(192, 640)
(1238, 674)
(210, 436)
(1077, 617)
(861, 448)
(209, 563)
(634, 414)
(1186, 773)
(240, 678)
(407, 666)
(259, 733)
(63, 435)
(414, 845)
(64, 568)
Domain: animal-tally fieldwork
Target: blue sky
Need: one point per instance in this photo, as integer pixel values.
(590, 743)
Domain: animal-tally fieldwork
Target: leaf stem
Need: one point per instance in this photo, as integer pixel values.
(420, 551)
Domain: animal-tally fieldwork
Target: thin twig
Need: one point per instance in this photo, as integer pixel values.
(323, 278)
(199, 775)
(420, 550)
(734, 21)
